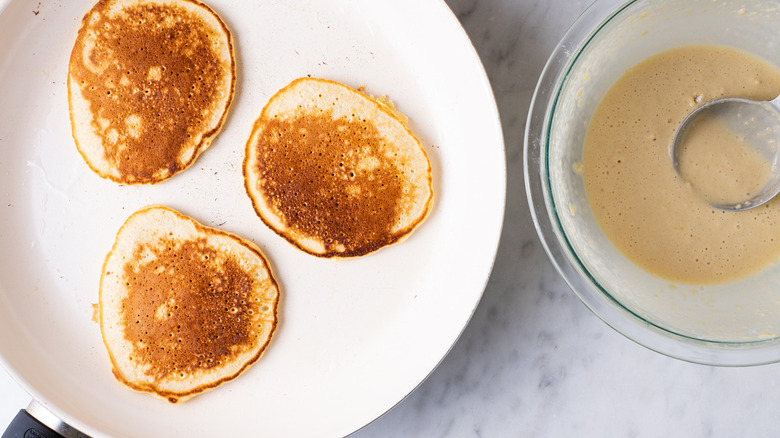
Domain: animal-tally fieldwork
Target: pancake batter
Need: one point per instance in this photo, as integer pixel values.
(650, 214)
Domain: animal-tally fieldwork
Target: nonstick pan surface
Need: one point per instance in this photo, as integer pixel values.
(355, 336)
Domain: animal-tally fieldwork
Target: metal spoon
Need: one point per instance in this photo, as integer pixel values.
(757, 122)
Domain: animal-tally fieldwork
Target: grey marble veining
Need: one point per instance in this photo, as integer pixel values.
(534, 361)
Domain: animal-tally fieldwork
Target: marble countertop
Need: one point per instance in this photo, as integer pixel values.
(534, 361)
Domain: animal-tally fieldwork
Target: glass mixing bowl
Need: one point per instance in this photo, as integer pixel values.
(737, 323)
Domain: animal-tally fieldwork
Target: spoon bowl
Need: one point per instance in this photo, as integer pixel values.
(728, 150)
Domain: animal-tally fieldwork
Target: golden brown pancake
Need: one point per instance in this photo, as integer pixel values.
(336, 172)
(149, 86)
(183, 307)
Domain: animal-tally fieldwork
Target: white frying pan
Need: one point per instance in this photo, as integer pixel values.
(355, 336)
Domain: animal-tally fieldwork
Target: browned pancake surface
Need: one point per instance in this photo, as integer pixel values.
(190, 309)
(335, 171)
(183, 307)
(154, 83)
(311, 176)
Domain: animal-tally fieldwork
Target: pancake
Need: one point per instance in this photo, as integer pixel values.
(149, 86)
(183, 307)
(336, 172)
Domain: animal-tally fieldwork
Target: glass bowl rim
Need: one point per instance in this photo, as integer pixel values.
(544, 214)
